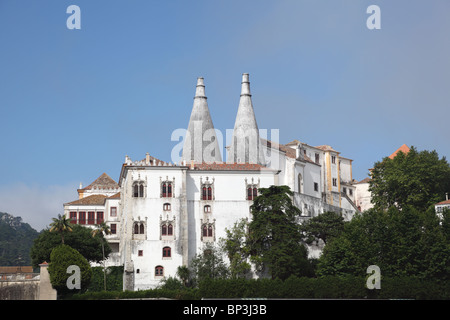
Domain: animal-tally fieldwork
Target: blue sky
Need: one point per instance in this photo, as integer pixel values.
(73, 103)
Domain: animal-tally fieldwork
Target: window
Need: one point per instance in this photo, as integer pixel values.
(73, 217)
(317, 158)
(91, 217)
(113, 228)
(166, 207)
(350, 191)
(167, 189)
(206, 193)
(99, 217)
(140, 253)
(159, 271)
(334, 182)
(167, 252)
(167, 229)
(252, 193)
(139, 228)
(113, 212)
(82, 217)
(316, 186)
(138, 189)
(207, 209)
(333, 159)
(207, 232)
(344, 190)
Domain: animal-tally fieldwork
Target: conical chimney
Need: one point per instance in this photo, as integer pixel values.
(246, 145)
(201, 144)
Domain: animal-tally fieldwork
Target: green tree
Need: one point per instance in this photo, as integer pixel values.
(325, 226)
(61, 258)
(274, 238)
(61, 225)
(208, 264)
(419, 179)
(234, 245)
(80, 239)
(100, 231)
(405, 242)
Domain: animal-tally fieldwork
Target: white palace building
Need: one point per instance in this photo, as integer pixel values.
(162, 214)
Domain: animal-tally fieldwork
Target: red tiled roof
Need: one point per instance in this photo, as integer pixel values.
(404, 148)
(365, 180)
(16, 269)
(96, 199)
(443, 202)
(115, 196)
(102, 182)
(227, 166)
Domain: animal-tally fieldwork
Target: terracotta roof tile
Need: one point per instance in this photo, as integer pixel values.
(227, 166)
(102, 182)
(96, 199)
(444, 202)
(404, 148)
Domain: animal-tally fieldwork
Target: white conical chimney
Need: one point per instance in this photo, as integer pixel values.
(201, 144)
(246, 145)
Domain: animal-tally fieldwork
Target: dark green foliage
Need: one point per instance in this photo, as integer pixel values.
(417, 179)
(402, 243)
(61, 258)
(114, 279)
(274, 240)
(80, 239)
(325, 226)
(16, 239)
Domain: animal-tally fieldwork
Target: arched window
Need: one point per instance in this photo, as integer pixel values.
(138, 189)
(210, 231)
(209, 193)
(135, 191)
(169, 190)
(164, 190)
(207, 209)
(255, 192)
(136, 228)
(141, 228)
(167, 252)
(159, 271)
(204, 193)
(170, 230)
(205, 231)
(166, 207)
(141, 190)
(249, 194)
(164, 230)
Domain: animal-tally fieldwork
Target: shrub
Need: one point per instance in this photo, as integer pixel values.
(61, 258)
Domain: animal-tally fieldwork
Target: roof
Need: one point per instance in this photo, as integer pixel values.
(443, 202)
(96, 199)
(326, 148)
(228, 166)
(102, 182)
(290, 152)
(404, 148)
(365, 180)
(16, 269)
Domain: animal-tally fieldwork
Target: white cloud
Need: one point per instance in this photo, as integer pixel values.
(36, 204)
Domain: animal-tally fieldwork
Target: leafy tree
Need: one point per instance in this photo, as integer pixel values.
(61, 225)
(61, 258)
(325, 226)
(80, 239)
(234, 245)
(274, 239)
(405, 242)
(208, 265)
(102, 229)
(419, 179)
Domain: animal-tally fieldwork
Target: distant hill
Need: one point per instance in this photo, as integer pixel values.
(16, 239)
